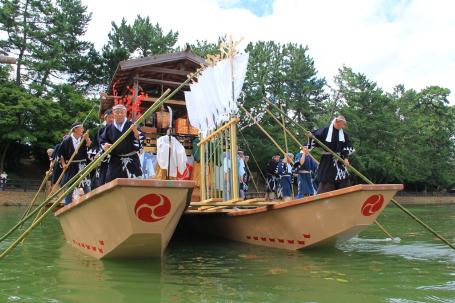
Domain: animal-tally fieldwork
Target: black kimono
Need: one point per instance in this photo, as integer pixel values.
(99, 175)
(57, 168)
(332, 174)
(79, 162)
(124, 161)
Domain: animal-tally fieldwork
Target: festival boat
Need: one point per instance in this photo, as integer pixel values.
(315, 221)
(319, 220)
(126, 218)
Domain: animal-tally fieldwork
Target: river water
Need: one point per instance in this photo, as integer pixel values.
(369, 268)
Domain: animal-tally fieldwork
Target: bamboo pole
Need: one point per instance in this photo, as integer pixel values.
(64, 171)
(288, 132)
(252, 179)
(43, 183)
(284, 131)
(166, 95)
(234, 162)
(219, 130)
(202, 187)
(263, 130)
(46, 177)
(364, 178)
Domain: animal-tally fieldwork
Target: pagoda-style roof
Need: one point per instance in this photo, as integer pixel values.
(155, 73)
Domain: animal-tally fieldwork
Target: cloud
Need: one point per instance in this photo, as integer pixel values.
(393, 42)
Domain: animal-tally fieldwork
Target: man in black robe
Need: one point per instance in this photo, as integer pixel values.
(124, 161)
(57, 168)
(99, 176)
(332, 174)
(271, 178)
(67, 148)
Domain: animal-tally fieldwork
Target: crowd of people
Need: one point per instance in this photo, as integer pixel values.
(124, 160)
(330, 174)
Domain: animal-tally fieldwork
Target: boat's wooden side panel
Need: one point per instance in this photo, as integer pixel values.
(299, 225)
(125, 221)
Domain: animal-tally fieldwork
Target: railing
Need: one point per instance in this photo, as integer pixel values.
(19, 185)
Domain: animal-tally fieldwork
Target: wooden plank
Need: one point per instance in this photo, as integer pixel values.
(164, 70)
(158, 81)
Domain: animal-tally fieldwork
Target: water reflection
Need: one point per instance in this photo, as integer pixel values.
(366, 269)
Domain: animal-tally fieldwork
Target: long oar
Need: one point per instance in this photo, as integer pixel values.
(43, 183)
(49, 173)
(364, 178)
(165, 96)
(381, 227)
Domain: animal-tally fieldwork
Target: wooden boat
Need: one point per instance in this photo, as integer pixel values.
(320, 220)
(126, 218)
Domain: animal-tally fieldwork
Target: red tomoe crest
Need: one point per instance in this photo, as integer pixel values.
(372, 205)
(152, 207)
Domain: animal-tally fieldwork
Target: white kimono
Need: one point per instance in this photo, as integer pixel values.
(178, 155)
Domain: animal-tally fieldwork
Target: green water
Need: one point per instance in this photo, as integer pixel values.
(366, 269)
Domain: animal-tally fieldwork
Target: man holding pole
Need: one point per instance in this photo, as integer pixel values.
(333, 174)
(99, 177)
(73, 157)
(124, 161)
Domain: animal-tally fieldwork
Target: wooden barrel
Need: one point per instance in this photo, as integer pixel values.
(162, 119)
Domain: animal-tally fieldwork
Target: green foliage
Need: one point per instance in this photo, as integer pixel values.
(287, 76)
(46, 38)
(141, 39)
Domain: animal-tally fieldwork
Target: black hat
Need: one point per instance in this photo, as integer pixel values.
(107, 112)
(76, 125)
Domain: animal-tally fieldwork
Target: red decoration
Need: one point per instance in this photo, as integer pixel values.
(152, 207)
(372, 205)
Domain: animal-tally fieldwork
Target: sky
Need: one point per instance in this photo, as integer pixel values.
(392, 42)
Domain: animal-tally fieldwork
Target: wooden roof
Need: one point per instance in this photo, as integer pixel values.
(155, 73)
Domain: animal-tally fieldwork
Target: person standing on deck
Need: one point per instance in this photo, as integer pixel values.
(241, 172)
(57, 169)
(124, 161)
(284, 170)
(333, 174)
(305, 165)
(99, 177)
(66, 150)
(271, 178)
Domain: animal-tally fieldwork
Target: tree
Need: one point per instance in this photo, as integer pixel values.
(46, 38)
(140, 39)
(287, 76)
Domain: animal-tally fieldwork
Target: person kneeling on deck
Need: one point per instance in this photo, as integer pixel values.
(66, 150)
(333, 174)
(305, 165)
(284, 170)
(124, 161)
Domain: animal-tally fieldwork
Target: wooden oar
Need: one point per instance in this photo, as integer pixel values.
(381, 227)
(364, 178)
